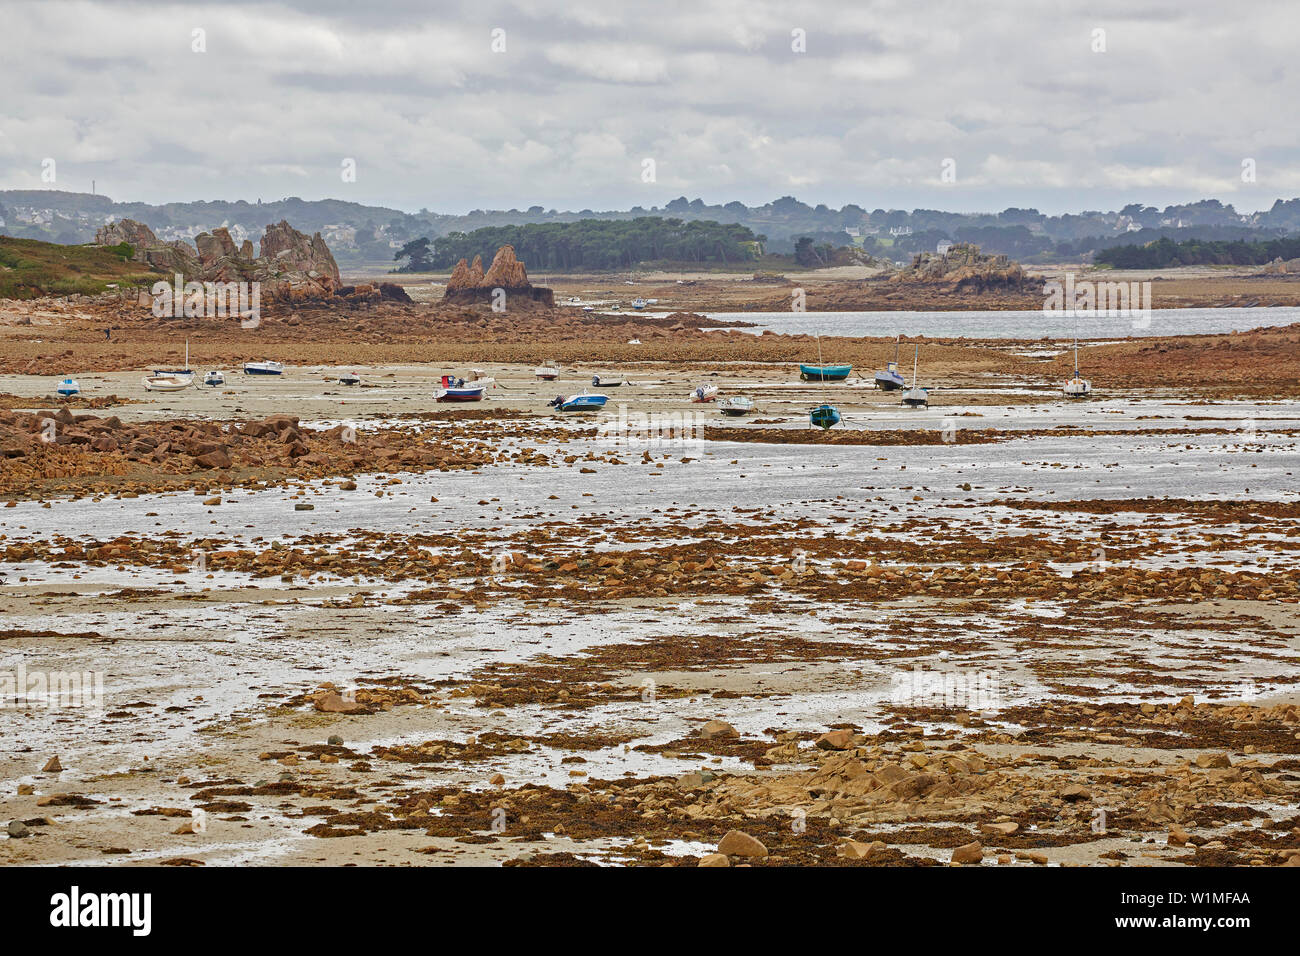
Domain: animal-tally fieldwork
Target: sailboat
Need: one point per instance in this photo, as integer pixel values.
(888, 378)
(916, 396)
(824, 416)
(1077, 387)
(171, 380)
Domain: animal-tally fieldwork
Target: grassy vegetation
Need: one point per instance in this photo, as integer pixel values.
(30, 268)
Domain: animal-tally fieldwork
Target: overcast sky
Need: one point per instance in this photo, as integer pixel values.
(710, 90)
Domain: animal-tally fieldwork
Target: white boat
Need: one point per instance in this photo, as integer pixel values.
(638, 303)
(916, 396)
(704, 393)
(606, 381)
(167, 382)
(1077, 387)
(67, 388)
(214, 378)
(736, 406)
(547, 371)
(349, 378)
(263, 368)
(633, 341)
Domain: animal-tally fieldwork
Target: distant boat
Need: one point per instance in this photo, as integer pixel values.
(824, 416)
(602, 382)
(349, 378)
(585, 402)
(916, 396)
(167, 382)
(888, 378)
(547, 371)
(263, 368)
(1077, 387)
(738, 405)
(214, 378)
(638, 303)
(633, 341)
(824, 373)
(704, 393)
(67, 388)
(588, 308)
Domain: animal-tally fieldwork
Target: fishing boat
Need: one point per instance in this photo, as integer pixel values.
(736, 406)
(586, 402)
(888, 378)
(638, 303)
(214, 378)
(1077, 387)
(824, 373)
(547, 371)
(263, 368)
(349, 378)
(601, 381)
(67, 388)
(704, 393)
(824, 416)
(459, 391)
(915, 397)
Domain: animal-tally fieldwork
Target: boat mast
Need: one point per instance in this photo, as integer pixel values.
(914, 357)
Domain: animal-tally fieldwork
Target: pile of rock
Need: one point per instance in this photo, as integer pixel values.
(470, 285)
(963, 268)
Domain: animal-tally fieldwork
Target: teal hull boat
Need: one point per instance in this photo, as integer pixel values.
(824, 416)
(824, 373)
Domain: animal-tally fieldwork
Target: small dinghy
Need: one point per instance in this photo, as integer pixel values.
(916, 397)
(824, 373)
(602, 381)
(704, 393)
(214, 378)
(739, 405)
(888, 378)
(547, 371)
(67, 388)
(167, 382)
(263, 368)
(585, 402)
(824, 416)
(349, 378)
(1077, 387)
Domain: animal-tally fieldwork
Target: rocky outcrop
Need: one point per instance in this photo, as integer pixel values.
(293, 266)
(963, 268)
(470, 285)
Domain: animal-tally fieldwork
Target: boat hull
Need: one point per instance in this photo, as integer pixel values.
(824, 373)
(916, 397)
(167, 384)
(825, 416)
(889, 381)
(1077, 388)
(263, 368)
(459, 395)
(583, 403)
(736, 406)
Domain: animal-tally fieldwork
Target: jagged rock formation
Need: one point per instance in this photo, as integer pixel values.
(292, 266)
(469, 285)
(963, 268)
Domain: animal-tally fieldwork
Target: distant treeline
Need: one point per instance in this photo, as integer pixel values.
(1197, 252)
(592, 244)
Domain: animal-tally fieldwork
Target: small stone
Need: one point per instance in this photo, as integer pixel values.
(303, 506)
(718, 729)
(1074, 793)
(1005, 829)
(18, 830)
(25, 790)
(970, 853)
(855, 850)
(720, 859)
(497, 780)
(835, 740)
(1213, 761)
(185, 829)
(739, 843)
(52, 765)
(332, 703)
(335, 740)
(1178, 836)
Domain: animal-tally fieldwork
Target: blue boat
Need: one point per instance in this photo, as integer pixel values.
(888, 378)
(67, 388)
(579, 403)
(824, 416)
(824, 373)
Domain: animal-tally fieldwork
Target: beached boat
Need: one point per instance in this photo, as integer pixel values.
(824, 373)
(547, 371)
(585, 402)
(602, 381)
(214, 378)
(824, 416)
(638, 303)
(67, 388)
(349, 378)
(263, 368)
(167, 382)
(914, 396)
(633, 341)
(738, 405)
(704, 393)
(460, 393)
(888, 378)
(1077, 387)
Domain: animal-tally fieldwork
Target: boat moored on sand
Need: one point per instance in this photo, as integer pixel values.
(214, 378)
(263, 368)
(586, 402)
(67, 388)
(888, 378)
(704, 393)
(824, 373)
(736, 406)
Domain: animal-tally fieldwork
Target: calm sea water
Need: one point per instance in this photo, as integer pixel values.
(1014, 325)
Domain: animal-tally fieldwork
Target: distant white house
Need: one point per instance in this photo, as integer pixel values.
(943, 246)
